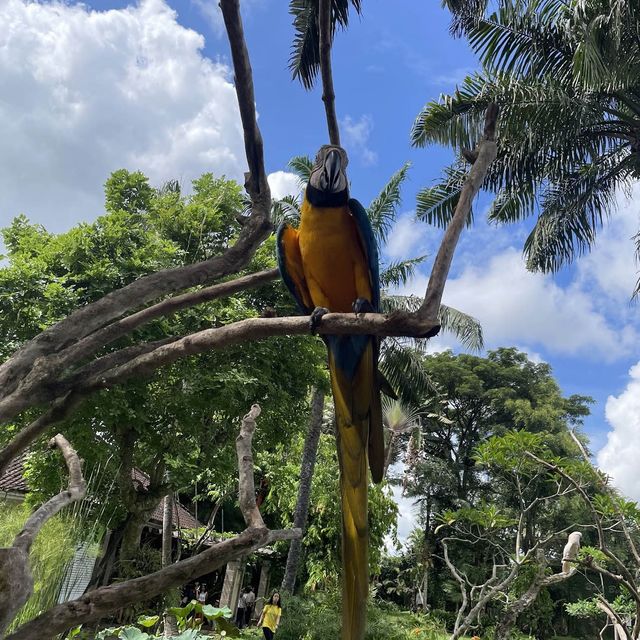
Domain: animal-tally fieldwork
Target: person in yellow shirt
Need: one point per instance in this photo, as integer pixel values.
(270, 616)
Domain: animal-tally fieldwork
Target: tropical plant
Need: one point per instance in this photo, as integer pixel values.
(566, 78)
(190, 619)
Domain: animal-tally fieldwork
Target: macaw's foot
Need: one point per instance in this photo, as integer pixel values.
(316, 318)
(362, 305)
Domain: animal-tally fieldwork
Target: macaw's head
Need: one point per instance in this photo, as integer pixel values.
(328, 185)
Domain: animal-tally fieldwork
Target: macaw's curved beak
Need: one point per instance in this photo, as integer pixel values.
(333, 170)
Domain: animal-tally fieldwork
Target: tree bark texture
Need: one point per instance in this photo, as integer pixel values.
(16, 581)
(100, 602)
(307, 467)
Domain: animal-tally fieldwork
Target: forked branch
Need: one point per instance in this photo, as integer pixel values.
(105, 600)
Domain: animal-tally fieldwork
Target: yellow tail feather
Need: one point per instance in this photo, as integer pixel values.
(354, 400)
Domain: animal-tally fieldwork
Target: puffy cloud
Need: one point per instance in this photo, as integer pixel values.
(406, 238)
(515, 306)
(283, 183)
(619, 456)
(611, 266)
(356, 137)
(87, 92)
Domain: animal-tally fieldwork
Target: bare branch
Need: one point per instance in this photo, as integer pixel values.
(171, 349)
(100, 602)
(486, 155)
(97, 603)
(256, 182)
(607, 489)
(75, 491)
(616, 621)
(328, 94)
(89, 345)
(247, 489)
(16, 581)
(59, 410)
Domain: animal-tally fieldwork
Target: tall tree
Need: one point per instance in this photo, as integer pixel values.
(565, 75)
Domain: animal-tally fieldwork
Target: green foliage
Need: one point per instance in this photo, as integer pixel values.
(565, 78)
(305, 51)
(317, 616)
(321, 541)
(189, 618)
(184, 418)
(50, 555)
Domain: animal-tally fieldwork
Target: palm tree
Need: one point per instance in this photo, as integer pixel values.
(305, 50)
(398, 418)
(567, 78)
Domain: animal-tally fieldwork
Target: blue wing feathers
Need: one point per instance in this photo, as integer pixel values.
(370, 246)
(282, 267)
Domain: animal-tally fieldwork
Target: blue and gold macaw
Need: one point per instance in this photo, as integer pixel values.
(330, 263)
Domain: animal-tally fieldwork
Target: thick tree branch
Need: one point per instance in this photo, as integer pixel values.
(59, 410)
(89, 345)
(328, 94)
(100, 602)
(256, 182)
(247, 489)
(16, 581)
(92, 317)
(486, 155)
(86, 381)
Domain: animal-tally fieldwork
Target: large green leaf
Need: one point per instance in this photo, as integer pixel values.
(383, 209)
(147, 621)
(305, 51)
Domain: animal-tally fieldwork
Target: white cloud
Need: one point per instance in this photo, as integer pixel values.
(405, 237)
(619, 457)
(283, 183)
(87, 92)
(515, 306)
(356, 137)
(611, 267)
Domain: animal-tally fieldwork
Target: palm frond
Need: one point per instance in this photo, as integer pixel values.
(302, 167)
(383, 209)
(403, 367)
(573, 210)
(465, 14)
(436, 205)
(304, 61)
(463, 326)
(398, 416)
(286, 209)
(390, 303)
(526, 38)
(399, 273)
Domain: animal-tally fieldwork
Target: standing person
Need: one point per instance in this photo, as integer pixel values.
(201, 597)
(270, 616)
(249, 603)
(240, 610)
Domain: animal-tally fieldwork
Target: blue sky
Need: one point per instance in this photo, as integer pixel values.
(86, 89)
